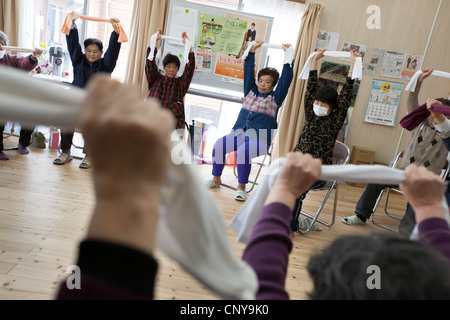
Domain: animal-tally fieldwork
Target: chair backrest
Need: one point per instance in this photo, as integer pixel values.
(341, 152)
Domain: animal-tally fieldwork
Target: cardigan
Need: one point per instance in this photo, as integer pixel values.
(260, 111)
(425, 147)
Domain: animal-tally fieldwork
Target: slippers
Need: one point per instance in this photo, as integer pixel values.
(62, 159)
(353, 220)
(86, 163)
(241, 196)
(211, 185)
(305, 223)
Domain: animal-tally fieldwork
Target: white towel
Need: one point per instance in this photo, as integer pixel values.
(288, 56)
(357, 69)
(413, 82)
(191, 229)
(246, 218)
(187, 47)
(18, 49)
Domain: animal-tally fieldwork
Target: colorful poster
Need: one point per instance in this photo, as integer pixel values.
(221, 34)
(384, 101)
(232, 66)
(203, 58)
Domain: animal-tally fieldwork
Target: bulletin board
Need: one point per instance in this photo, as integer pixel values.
(218, 39)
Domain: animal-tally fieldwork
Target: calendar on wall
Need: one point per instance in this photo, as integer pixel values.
(384, 101)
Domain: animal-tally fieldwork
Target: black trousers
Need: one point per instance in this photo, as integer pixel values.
(24, 140)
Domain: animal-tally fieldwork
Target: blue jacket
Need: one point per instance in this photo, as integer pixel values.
(82, 68)
(256, 120)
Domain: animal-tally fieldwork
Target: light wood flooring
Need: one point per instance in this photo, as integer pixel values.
(45, 210)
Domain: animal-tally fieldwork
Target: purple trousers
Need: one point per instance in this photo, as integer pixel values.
(246, 151)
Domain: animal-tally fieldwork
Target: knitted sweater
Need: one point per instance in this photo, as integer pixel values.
(425, 147)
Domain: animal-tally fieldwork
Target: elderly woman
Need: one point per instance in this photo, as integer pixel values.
(23, 63)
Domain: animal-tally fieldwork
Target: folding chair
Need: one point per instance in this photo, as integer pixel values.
(341, 155)
(261, 165)
(444, 174)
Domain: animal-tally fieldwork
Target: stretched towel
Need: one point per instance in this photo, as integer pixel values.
(413, 82)
(187, 46)
(357, 69)
(191, 229)
(288, 57)
(246, 218)
(68, 24)
(18, 49)
(419, 114)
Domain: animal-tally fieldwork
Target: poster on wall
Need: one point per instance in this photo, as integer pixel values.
(384, 101)
(221, 34)
(232, 66)
(411, 65)
(203, 57)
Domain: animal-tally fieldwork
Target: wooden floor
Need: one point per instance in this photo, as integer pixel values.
(45, 210)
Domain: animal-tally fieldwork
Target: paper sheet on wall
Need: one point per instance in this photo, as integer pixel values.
(384, 101)
(327, 40)
(392, 64)
(184, 20)
(411, 65)
(222, 34)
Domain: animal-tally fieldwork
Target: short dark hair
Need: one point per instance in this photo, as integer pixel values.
(444, 101)
(409, 269)
(270, 72)
(327, 95)
(93, 41)
(170, 58)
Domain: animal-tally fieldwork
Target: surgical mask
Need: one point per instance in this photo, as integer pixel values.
(320, 111)
(2, 54)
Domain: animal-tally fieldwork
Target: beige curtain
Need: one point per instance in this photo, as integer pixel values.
(292, 115)
(9, 19)
(148, 16)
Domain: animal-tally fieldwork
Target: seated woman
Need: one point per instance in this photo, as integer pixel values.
(252, 133)
(325, 113)
(169, 89)
(26, 64)
(85, 65)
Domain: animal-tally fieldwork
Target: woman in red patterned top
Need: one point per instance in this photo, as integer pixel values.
(167, 88)
(26, 64)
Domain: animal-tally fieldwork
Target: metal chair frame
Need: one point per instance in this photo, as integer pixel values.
(261, 165)
(388, 190)
(341, 154)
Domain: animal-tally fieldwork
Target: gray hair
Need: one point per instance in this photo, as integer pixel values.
(4, 37)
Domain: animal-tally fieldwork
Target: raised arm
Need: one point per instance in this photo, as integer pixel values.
(73, 42)
(285, 80)
(270, 242)
(249, 69)
(413, 97)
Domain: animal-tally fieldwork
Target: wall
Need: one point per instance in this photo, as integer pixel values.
(405, 27)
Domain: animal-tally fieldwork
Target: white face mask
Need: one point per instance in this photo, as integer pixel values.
(2, 54)
(320, 111)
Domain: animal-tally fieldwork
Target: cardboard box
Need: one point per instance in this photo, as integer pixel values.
(361, 155)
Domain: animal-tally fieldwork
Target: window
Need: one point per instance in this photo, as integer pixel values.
(287, 19)
(41, 22)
